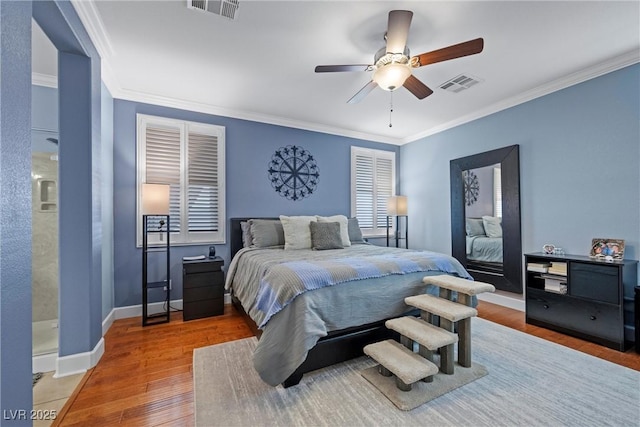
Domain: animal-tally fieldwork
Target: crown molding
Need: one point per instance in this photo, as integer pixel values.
(602, 68)
(90, 18)
(580, 76)
(92, 22)
(137, 96)
(44, 80)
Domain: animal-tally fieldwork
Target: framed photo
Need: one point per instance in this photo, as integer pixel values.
(601, 248)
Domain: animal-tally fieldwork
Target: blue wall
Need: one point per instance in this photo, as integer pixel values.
(249, 147)
(106, 174)
(79, 197)
(15, 209)
(44, 108)
(579, 173)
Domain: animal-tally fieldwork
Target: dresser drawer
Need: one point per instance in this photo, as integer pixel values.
(203, 292)
(596, 282)
(202, 308)
(202, 266)
(592, 318)
(203, 279)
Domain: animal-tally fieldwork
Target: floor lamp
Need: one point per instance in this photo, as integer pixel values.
(155, 212)
(397, 206)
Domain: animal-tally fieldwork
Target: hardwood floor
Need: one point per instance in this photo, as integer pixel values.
(145, 375)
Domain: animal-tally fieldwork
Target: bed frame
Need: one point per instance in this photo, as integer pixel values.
(336, 347)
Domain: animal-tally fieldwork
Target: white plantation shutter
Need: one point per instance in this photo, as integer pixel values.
(364, 182)
(190, 158)
(385, 180)
(162, 164)
(372, 182)
(202, 182)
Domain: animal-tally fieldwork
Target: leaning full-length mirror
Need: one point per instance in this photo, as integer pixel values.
(485, 216)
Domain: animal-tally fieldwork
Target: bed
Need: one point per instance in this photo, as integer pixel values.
(484, 240)
(484, 249)
(310, 329)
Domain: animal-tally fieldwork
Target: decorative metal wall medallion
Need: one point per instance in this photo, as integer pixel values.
(471, 187)
(293, 172)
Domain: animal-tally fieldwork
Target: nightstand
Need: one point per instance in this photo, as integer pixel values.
(202, 288)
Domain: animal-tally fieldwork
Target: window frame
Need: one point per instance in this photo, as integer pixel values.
(183, 237)
(374, 154)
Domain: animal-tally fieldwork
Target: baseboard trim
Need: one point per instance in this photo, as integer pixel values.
(136, 310)
(79, 363)
(503, 300)
(108, 321)
(44, 363)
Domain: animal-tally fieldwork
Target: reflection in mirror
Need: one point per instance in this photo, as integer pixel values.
(485, 217)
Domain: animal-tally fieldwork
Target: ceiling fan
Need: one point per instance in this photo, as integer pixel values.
(392, 65)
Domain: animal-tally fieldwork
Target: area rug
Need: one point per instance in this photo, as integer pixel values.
(530, 382)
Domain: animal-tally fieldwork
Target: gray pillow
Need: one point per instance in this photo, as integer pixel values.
(492, 226)
(475, 227)
(266, 233)
(325, 235)
(247, 241)
(355, 234)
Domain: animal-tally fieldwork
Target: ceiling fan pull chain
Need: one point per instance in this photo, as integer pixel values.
(390, 108)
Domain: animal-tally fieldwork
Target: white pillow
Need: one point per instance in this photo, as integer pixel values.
(492, 226)
(297, 233)
(344, 226)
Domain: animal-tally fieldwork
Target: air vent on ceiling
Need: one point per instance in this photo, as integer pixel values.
(226, 8)
(460, 83)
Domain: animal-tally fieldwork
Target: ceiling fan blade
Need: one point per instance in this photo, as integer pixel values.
(363, 92)
(416, 87)
(398, 30)
(459, 50)
(337, 68)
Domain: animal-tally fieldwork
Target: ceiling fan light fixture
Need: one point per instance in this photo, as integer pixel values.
(392, 76)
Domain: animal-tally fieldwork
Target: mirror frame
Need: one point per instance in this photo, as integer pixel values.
(509, 158)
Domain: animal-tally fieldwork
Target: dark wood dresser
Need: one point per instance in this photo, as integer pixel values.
(587, 298)
(202, 288)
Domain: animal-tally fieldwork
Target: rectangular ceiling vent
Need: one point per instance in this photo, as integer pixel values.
(226, 8)
(460, 83)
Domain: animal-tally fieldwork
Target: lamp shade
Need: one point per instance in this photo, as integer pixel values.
(397, 205)
(392, 76)
(155, 199)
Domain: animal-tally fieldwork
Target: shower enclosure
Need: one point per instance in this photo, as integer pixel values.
(44, 267)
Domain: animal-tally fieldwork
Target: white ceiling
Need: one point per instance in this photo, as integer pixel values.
(261, 65)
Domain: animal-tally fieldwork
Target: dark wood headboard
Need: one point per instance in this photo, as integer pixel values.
(236, 234)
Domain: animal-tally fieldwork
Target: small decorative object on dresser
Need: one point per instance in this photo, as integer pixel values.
(203, 288)
(608, 249)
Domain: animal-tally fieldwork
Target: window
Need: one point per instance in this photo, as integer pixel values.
(497, 192)
(190, 158)
(373, 177)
